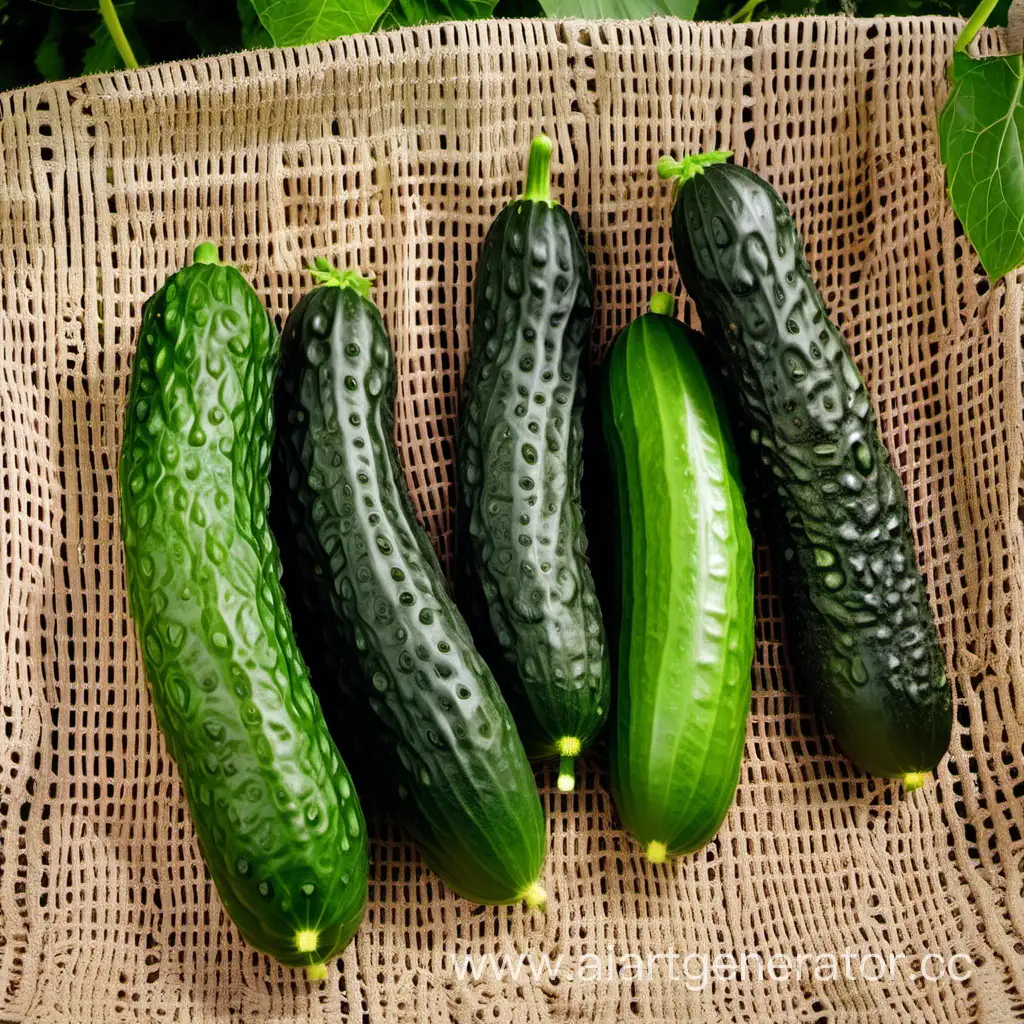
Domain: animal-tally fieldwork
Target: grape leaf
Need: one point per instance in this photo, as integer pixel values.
(297, 22)
(618, 8)
(981, 128)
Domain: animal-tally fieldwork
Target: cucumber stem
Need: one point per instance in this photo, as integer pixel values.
(913, 780)
(537, 188)
(566, 775)
(690, 166)
(974, 25)
(206, 252)
(536, 898)
(663, 303)
(568, 747)
(113, 24)
(316, 972)
(326, 274)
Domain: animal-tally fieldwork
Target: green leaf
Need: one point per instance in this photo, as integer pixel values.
(49, 62)
(102, 55)
(254, 35)
(297, 22)
(628, 9)
(981, 128)
(421, 12)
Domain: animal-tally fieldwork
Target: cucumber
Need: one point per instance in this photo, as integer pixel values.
(687, 636)
(333, 668)
(865, 630)
(447, 750)
(519, 469)
(274, 808)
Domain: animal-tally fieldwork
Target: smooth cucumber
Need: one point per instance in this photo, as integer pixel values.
(519, 467)
(864, 626)
(274, 808)
(447, 751)
(687, 634)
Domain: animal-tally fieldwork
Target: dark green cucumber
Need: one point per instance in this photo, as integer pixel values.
(458, 777)
(519, 467)
(864, 625)
(276, 815)
(687, 636)
(333, 668)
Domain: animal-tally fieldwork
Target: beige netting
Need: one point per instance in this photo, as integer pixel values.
(394, 152)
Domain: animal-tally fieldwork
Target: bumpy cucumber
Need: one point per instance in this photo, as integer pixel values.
(333, 668)
(865, 629)
(458, 776)
(277, 818)
(519, 467)
(687, 570)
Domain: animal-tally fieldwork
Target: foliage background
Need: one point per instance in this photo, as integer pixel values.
(54, 39)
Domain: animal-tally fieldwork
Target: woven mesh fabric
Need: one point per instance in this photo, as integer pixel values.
(393, 152)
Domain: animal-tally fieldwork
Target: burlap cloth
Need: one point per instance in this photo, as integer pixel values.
(394, 152)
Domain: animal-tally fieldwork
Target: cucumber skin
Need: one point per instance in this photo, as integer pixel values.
(333, 668)
(455, 770)
(687, 637)
(866, 636)
(534, 302)
(229, 688)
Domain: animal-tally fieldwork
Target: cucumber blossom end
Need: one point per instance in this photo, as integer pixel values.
(536, 897)
(656, 852)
